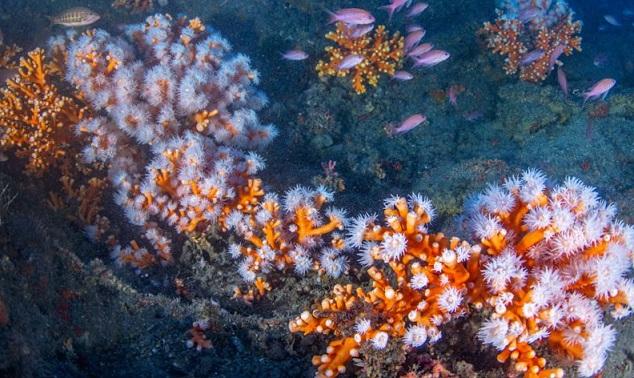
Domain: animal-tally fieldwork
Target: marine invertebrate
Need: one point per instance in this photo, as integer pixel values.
(547, 262)
(422, 283)
(556, 257)
(296, 233)
(8, 55)
(35, 117)
(532, 35)
(380, 53)
(173, 87)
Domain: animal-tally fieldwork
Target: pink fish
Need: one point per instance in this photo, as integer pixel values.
(352, 16)
(557, 51)
(413, 38)
(393, 7)
(402, 75)
(406, 125)
(360, 30)
(431, 58)
(420, 50)
(413, 28)
(417, 9)
(563, 80)
(350, 61)
(531, 57)
(295, 55)
(600, 89)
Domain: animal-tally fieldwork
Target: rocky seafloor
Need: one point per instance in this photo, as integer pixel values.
(66, 310)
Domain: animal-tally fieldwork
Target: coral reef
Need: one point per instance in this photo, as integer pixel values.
(381, 54)
(172, 86)
(532, 35)
(293, 233)
(548, 261)
(423, 284)
(8, 56)
(36, 118)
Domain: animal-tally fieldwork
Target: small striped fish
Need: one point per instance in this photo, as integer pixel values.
(73, 17)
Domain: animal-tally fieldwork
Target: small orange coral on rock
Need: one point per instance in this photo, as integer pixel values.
(532, 35)
(381, 54)
(35, 117)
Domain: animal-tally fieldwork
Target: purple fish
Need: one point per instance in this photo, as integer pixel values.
(600, 89)
(557, 51)
(393, 7)
(531, 57)
(360, 30)
(413, 28)
(295, 55)
(431, 58)
(408, 124)
(402, 75)
(413, 38)
(563, 80)
(350, 61)
(420, 50)
(417, 9)
(352, 16)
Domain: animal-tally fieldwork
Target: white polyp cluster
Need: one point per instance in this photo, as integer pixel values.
(562, 260)
(289, 230)
(176, 110)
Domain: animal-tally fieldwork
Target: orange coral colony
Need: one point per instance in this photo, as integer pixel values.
(532, 35)
(431, 277)
(381, 54)
(35, 118)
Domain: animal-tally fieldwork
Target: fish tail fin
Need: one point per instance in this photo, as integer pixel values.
(332, 16)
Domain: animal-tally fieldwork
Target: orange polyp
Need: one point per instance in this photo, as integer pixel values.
(410, 223)
(529, 240)
(503, 356)
(597, 249)
(495, 244)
